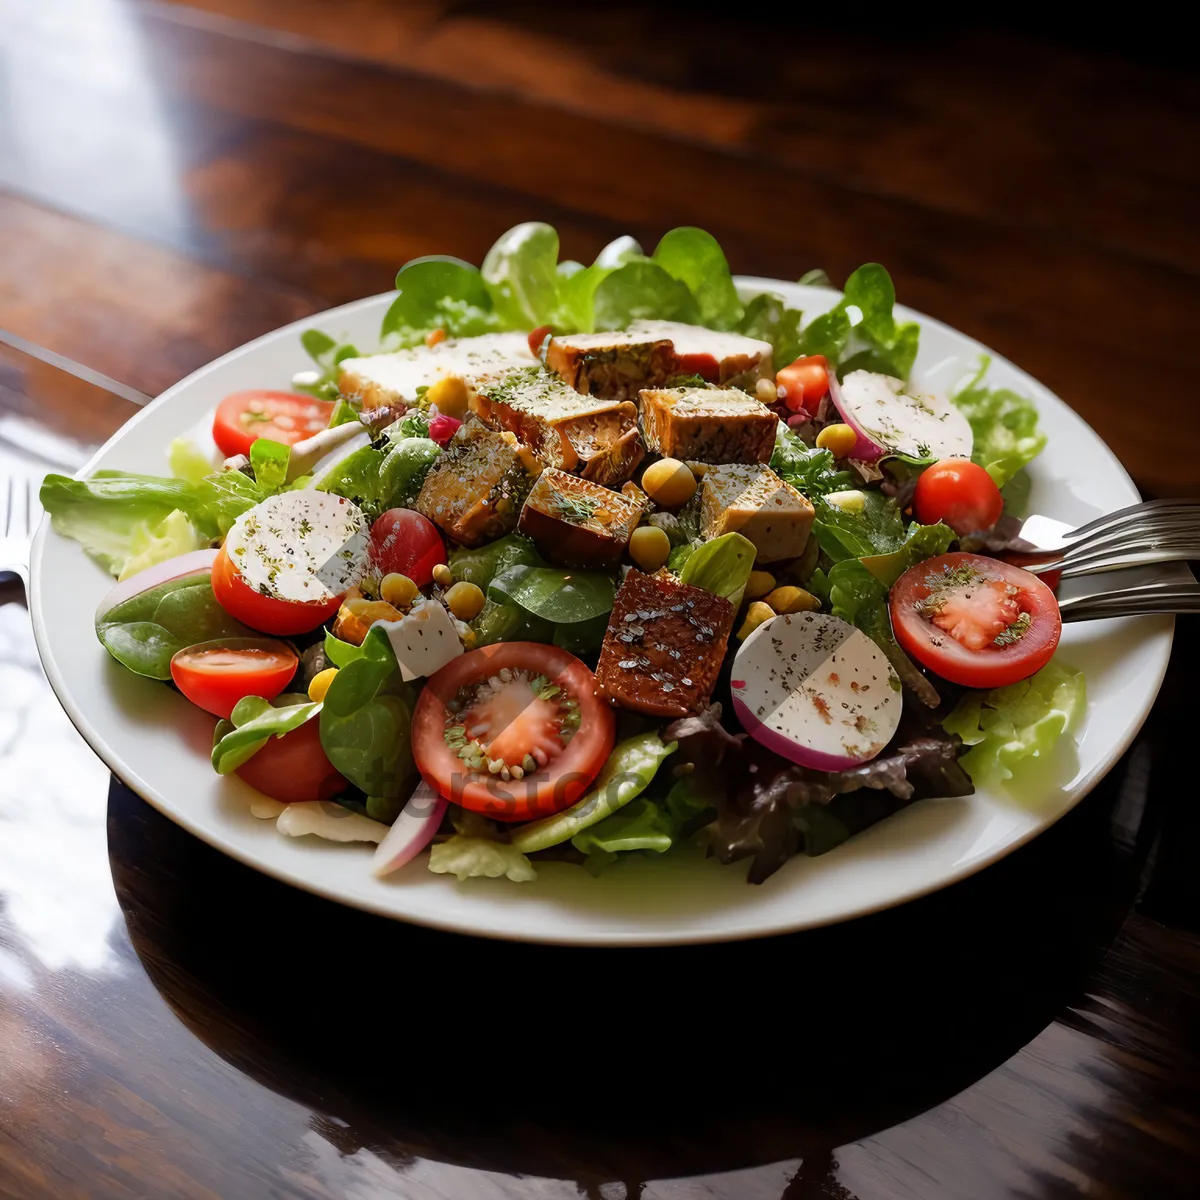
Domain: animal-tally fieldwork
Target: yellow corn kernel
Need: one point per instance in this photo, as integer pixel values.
(649, 547)
(837, 439)
(450, 395)
(442, 575)
(756, 614)
(319, 684)
(851, 500)
(465, 600)
(759, 584)
(792, 600)
(398, 589)
(669, 483)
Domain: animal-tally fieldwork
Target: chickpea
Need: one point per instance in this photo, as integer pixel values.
(443, 576)
(699, 469)
(792, 600)
(649, 547)
(465, 600)
(669, 482)
(398, 590)
(756, 615)
(319, 684)
(450, 395)
(839, 440)
(766, 391)
(759, 584)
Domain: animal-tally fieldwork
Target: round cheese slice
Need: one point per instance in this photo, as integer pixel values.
(303, 545)
(816, 690)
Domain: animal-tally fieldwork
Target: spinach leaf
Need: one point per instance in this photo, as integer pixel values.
(438, 292)
(365, 724)
(521, 277)
(561, 597)
(254, 722)
(696, 259)
(642, 290)
(482, 565)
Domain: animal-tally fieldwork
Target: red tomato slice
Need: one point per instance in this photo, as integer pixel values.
(804, 382)
(294, 768)
(268, 613)
(975, 620)
(407, 543)
(704, 365)
(960, 493)
(515, 724)
(279, 416)
(215, 675)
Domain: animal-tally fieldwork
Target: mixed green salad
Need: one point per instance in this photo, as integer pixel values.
(591, 561)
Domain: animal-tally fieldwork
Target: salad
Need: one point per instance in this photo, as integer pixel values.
(591, 561)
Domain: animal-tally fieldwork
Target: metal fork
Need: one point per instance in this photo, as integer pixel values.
(1155, 532)
(20, 513)
(1180, 595)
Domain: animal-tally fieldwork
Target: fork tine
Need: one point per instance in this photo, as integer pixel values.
(1136, 528)
(33, 507)
(1154, 508)
(6, 505)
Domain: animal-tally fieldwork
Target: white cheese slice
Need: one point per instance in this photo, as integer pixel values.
(421, 366)
(695, 339)
(816, 690)
(902, 421)
(304, 546)
(424, 641)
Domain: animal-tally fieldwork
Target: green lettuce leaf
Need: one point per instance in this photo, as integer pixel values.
(145, 632)
(439, 292)
(1004, 424)
(365, 727)
(768, 318)
(721, 566)
(254, 722)
(696, 259)
(473, 857)
(521, 277)
(630, 768)
(270, 463)
(377, 478)
(1011, 725)
(810, 471)
(640, 825)
(920, 543)
(152, 544)
(328, 354)
(843, 533)
(187, 461)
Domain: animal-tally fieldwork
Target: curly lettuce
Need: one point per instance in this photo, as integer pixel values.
(1004, 424)
(480, 857)
(1012, 725)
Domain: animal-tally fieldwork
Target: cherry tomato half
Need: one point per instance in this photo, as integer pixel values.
(960, 493)
(975, 620)
(404, 542)
(563, 738)
(804, 382)
(294, 768)
(279, 416)
(268, 613)
(704, 365)
(537, 340)
(215, 675)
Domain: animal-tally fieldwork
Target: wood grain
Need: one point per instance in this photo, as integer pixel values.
(176, 179)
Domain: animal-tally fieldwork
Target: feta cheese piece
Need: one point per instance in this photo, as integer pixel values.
(424, 640)
(755, 502)
(394, 378)
(306, 546)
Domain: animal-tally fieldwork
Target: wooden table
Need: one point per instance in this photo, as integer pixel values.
(175, 180)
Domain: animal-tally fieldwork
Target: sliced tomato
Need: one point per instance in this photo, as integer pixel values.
(975, 620)
(960, 493)
(520, 703)
(268, 613)
(279, 416)
(294, 768)
(404, 542)
(804, 382)
(215, 675)
(704, 365)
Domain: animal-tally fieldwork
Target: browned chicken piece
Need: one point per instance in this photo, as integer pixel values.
(711, 425)
(577, 523)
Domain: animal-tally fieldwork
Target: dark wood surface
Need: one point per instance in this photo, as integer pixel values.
(175, 180)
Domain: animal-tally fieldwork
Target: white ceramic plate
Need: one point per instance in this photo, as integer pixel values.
(158, 744)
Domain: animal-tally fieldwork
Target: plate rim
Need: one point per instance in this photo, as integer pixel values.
(747, 285)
